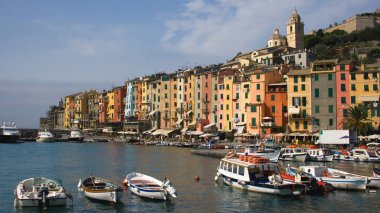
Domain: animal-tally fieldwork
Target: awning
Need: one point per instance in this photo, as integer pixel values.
(179, 122)
(240, 129)
(149, 131)
(210, 125)
(152, 112)
(184, 130)
(195, 133)
(293, 110)
(206, 135)
(369, 98)
(188, 112)
(165, 132)
(240, 124)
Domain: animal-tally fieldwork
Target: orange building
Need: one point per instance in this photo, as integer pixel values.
(276, 105)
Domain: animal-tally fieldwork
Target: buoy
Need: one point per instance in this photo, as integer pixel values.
(124, 182)
(197, 178)
(216, 178)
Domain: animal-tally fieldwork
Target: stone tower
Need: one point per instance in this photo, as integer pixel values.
(295, 31)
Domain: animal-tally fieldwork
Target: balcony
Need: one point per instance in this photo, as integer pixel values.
(267, 124)
(205, 111)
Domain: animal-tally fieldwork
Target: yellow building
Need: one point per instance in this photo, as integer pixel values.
(69, 111)
(110, 107)
(364, 83)
(299, 101)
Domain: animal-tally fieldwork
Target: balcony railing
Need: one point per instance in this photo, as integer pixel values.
(267, 124)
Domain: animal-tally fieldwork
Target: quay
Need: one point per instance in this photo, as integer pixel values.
(215, 153)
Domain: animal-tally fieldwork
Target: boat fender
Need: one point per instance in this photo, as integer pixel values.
(216, 178)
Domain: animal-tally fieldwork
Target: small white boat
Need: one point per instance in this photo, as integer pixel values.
(256, 174)
(361, 155)
(45, 137)
(40, 191)
(101, 189)
(149, 187)
(338, 179)
(9, 133)
(293, 154)
(320, 154)
(76, 135)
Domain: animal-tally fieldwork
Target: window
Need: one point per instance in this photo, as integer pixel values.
(353, 99)
(199, 96)
(303, 78)
(237, 96)
(303, 101)
(228, 87)
(273, 109)
(221, 96)
(272, 97)
(295, 79)
(257, 76)
(215, 97)
(331, 109)
(316, 93)
(345, 112)
(295, 88)
(330, 92)
(366, 87)
(221, 107)
(317, 122)
(228, 117)
(343, 100)
(342, 67)
(316, 109)
(375, 88)
(284, 109)
(331, 122)
(343, 87)
(227, 107)
(342, 76)
(166, 86)
(258, 86)
(228, 97)
(316, 77)
(329, 76)
(237, 105)
(199, 105)
(297, 123)
(253, 108)
(258, 98)
(220, 117)
(253, 122)
(303, 87)
(353, 76)
(353, 87)
(366, 76)
(305, 125)
(246, 95)
(374, 75)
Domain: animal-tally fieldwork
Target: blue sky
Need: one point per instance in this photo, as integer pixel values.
(50, 49)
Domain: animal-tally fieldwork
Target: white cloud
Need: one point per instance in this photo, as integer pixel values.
(224, 27)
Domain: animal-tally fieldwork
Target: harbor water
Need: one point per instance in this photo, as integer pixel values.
(73, 161)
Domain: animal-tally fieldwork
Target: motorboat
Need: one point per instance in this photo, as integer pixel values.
(252, 150)
(338, 179)
(76, 135)
(309, 184)
(149, 187)
(40, 191)
(254, 173)
(319, 154)
(9, 133)
(359, 154)
(45, 137)
(293, 154)
(101, 189)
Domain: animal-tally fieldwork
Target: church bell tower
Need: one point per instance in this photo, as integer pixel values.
(295, 31)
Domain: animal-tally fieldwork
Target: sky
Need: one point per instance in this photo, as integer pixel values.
(51, 49)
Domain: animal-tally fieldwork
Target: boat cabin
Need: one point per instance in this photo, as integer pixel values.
(316, 171)
(319, 151)
(248, 169)
(364, 153)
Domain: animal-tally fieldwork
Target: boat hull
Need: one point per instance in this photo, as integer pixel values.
(284, 190)
(75, 139)
(152, 194)
(373, 182)
(294, 157)
(349, 184)
(321, 158)
(111, 196)
(44, 140)
(9, 138)
(38, 202)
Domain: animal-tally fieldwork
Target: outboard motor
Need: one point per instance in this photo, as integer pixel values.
(42, 192)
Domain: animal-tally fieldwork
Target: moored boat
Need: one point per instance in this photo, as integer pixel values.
(149, 187)
(360, 155)
(338, 179)
(252, 150)
(254, 173)
(76, 135)
(101, 189)
(40, 191)
(292, 154)
(9, 133)
(319, 154)
(44, 137)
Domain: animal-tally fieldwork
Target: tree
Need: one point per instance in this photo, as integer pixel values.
(357, 120)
